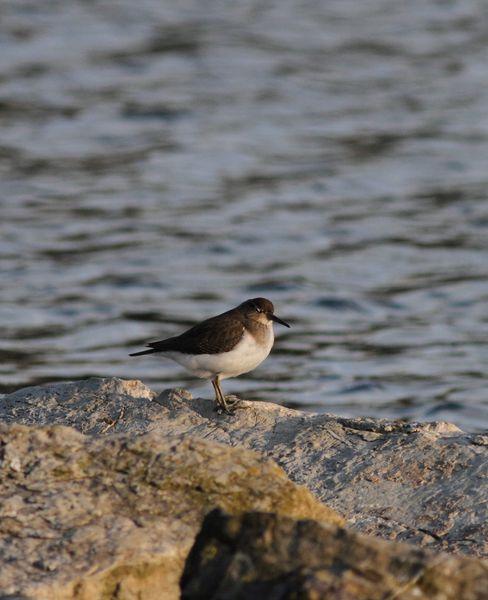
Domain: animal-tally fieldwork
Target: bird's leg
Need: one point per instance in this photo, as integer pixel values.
(220, 402)
(227, 404)
(218, 394)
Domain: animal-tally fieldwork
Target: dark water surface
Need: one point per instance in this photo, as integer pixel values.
(162, 161)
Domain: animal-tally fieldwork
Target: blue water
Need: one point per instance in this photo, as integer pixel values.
(161, 162)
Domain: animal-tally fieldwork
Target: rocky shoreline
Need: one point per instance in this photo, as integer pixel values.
(106, 484)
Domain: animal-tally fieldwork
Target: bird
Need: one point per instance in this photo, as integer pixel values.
(227, 345)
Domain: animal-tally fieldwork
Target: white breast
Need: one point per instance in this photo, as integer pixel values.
(245, 357)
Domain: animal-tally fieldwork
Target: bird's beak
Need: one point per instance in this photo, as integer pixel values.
(278, 320)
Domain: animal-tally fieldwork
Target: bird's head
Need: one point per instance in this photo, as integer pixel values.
(260, 310)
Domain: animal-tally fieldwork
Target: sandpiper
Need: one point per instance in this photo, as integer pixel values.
(224, 346)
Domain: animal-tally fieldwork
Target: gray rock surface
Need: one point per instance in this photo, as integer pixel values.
(91, 518)
(422, 483)
(258, 555)
(92, 406)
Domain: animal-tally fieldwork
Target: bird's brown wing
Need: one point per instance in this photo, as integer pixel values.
(212, 336)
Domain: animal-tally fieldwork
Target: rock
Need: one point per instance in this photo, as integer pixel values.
(259, 555)
(422, 483)
(115, 516)
(93, 406)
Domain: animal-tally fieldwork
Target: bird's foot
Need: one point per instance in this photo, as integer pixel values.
(221, 410)
(229, 406)
(232, 401)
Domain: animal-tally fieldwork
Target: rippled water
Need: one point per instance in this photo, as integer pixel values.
(160, 162)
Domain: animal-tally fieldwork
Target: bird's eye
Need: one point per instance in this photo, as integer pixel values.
(256, 308)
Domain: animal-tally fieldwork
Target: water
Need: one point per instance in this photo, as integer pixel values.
(160, 162)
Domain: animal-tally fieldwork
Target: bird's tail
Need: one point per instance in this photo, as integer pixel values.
(150, 351)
